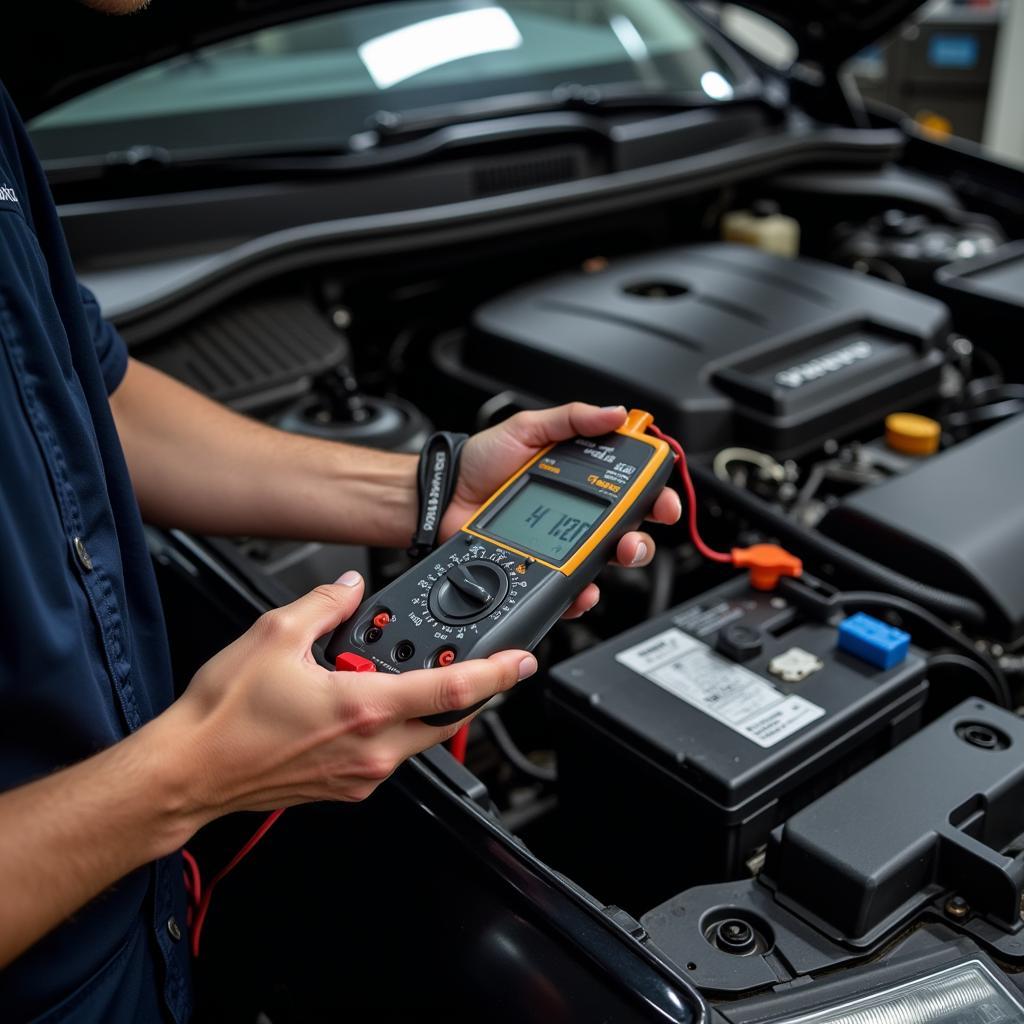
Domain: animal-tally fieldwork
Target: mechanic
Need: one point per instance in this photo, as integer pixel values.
(103, 778)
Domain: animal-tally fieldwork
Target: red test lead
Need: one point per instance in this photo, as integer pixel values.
(766, 562)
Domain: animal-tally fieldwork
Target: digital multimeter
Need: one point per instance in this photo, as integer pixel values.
(507, 576)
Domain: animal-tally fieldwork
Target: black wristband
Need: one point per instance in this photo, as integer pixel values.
(436, 476)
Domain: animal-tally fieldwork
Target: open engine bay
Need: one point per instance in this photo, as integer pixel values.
(765, 785)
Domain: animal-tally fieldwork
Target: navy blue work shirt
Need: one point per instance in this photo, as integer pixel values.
(85, 658)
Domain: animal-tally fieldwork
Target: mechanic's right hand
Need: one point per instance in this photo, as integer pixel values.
(264, 726)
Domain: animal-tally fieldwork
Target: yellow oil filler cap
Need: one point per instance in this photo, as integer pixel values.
(911, 434)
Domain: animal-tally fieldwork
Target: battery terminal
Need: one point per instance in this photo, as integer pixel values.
(767, 564)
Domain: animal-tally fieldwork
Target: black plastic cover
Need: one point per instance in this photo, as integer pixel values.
(998, 277)
(937, 812)
(987, 297)
(955, 521)
(252, 353)
(725, 344)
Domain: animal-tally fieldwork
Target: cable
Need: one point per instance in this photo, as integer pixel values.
(766, 562)
(193, 883)
(959, 661)
(503, 739)
(987, 400)
(953, 606)
(457, 744)
(803, 594)
(806, 494)
(769, 466)
(984, 390)
(981, 414)
(691, 500)
(201, 902)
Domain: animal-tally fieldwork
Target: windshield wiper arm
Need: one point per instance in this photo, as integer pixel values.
(388, 126)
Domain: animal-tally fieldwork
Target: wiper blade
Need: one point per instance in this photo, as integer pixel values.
(389, 126)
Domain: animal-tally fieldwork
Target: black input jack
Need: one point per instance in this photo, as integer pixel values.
(404, 650)
(373, 634)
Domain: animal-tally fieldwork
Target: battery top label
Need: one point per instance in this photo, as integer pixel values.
(729, 693)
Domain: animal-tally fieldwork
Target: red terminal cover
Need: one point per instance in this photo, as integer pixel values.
(767, 563)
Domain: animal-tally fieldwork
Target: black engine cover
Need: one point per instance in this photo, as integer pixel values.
(725, 344)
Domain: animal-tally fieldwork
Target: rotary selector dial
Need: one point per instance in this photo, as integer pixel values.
(468, 591)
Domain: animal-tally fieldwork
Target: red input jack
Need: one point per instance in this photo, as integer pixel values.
(382, 619)
(445, 657)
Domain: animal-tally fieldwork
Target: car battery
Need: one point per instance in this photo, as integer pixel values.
(684, 741)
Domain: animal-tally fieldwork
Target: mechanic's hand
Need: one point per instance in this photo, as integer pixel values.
(264, 726)
(493, 455)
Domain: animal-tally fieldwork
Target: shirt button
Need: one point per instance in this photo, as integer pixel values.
(82, 553)
(174, 928)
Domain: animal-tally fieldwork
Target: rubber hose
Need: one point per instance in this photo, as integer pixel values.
(811, 542)
(1003, 699)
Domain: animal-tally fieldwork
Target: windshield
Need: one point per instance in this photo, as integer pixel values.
(319, 81)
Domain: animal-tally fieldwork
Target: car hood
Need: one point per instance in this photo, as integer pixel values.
(52, 50)
(830, 31)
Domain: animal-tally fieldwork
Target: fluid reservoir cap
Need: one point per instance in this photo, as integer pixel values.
(911, 434)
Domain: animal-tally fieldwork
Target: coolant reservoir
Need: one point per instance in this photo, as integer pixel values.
(763, 227)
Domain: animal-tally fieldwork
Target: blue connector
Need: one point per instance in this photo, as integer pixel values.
(873, 641)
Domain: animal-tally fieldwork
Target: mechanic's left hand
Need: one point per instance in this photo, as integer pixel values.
(493, 455)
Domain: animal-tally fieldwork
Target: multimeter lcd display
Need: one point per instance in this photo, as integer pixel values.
(545, 520)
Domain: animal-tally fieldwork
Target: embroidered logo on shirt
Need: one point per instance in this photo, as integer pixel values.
(7, 194)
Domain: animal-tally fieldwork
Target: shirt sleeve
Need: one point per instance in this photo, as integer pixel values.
(111, 350)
